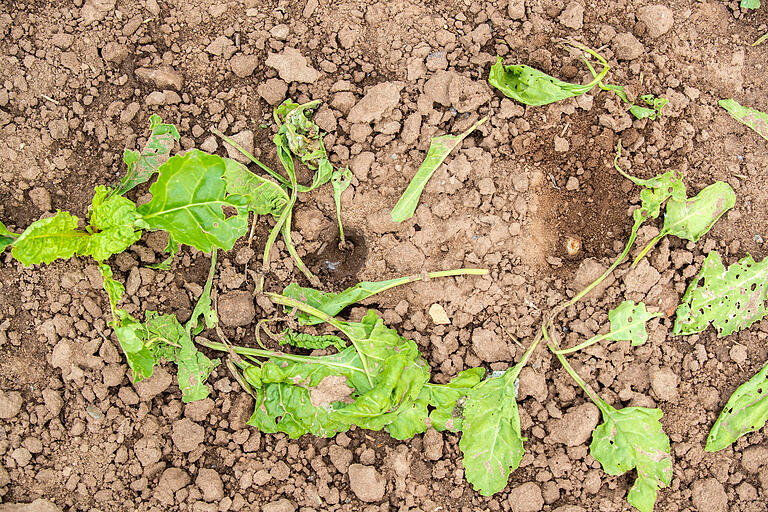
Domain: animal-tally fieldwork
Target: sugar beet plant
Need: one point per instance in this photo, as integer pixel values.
(371, 376)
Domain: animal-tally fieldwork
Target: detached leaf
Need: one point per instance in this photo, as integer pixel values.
(142, 165)
(755, 119)
(629, 438)
(731, 299)
(652, 113)
(114, 221)
(628, 323)
(204, 305)
(188, 200)
(265, 197)
(691, 219)
(750, 4)
(491, 442)
(439, 148)
(746, 411)
(48, 239)
(533, 87)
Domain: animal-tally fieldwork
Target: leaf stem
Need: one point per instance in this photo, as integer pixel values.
(250, 157)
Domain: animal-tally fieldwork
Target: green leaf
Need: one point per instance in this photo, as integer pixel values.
(303, 138)
(628, 323)
(188, 200)
(204, 305)
(6, 237)
(746, 411)
(652, 113)
(691, 219)
(731, 299)
(491, 442)
(449, 399)
(142, 165)
(114, 222)
(265, 197)
(533, 87)
(632, 437)
(755, 119)
(439, 148)
(311, 341)
(750, 4)
(340, 179)
(332, 303)
(48, 239)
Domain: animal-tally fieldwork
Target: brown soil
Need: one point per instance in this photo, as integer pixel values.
(73, 95)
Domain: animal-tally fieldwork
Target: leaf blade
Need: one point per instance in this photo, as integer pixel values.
(49, 239)
(746, 411)
(187, 201)
(439, 148)
(755, 119)
(142, 165)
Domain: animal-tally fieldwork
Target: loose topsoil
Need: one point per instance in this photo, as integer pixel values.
(78, 82)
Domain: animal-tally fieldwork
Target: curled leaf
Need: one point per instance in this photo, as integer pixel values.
(746, 411)
(142, 165)
(533, 87)
(731, 299)
(114, 222)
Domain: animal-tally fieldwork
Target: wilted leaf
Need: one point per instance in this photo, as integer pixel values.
(731, 299)
(746, 411)
(439, 148)
(265, 197)
(533, 87)
(629, 438)
(691, 219)
(755, 119)
(188, 199)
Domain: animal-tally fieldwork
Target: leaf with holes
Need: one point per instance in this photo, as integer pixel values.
(188, 201)
(533, 87)
(755, 119)
(628, 323)
(142, 165)
(731, 299)
(629, 438)
(746, 411)
(449, 399)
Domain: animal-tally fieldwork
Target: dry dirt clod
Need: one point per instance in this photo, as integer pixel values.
(210, 484)
(10, 404)
(236, 308)
(367, 483)
(576, 426)
(39, 505)
(438, 315)
(573, 16)
(708, 495)
(378, 100)
(526, 498)
(243, 65)
(489, 347)
(658, 19)
(281, 505)
(162, 78)
(664, 383)
(187, 435)
(627, 47)
(292, 66)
